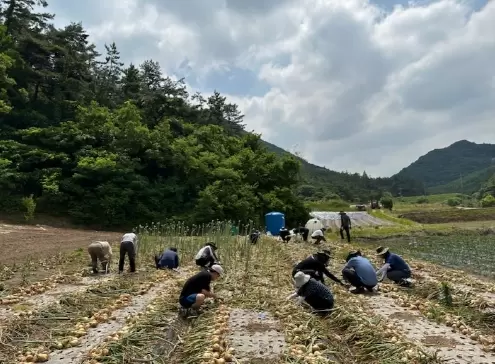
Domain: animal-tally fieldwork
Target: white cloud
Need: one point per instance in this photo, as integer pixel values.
(354, 87)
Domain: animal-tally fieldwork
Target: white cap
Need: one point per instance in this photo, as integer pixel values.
(217, 269)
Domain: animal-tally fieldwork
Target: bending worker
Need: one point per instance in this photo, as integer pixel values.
(169, 259)
(206, 256)
(128, 246)
(395, 268)
(102, 251)
(316, 266)
(359, 272)
(313, 292)
(304, 232)
(318, 236)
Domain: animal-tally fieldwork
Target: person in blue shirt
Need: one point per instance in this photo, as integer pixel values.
(359, 272)
(394, 268)
(169, 259)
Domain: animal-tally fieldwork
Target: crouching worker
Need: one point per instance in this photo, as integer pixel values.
(318, 236)
(359, 272)
(316, 266)
(285, 235)
(206, 256)
(197, 289)
(169, 259)
(395, 268)
(102, 251)
(314, 293)
(304, 232)
(254, 236)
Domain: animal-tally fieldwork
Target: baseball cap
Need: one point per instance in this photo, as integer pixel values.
(217, 269)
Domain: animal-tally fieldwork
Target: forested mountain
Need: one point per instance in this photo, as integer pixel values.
(321, 183)
(446, 166)
(468, 184)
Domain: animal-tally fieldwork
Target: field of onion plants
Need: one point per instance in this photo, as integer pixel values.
(72, 317)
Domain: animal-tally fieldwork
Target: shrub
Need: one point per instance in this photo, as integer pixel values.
(454, 202)
(488, 201)
(422, 200)
(29, 205)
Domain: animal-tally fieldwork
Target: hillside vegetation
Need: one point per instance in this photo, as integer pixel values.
(446, 166)
(319, 183)
(84, 135)
(469, 184)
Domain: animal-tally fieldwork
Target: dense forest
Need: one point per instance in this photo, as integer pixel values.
(84, 136)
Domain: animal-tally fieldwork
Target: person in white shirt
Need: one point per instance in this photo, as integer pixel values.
(206, 256)
(128, 246)
(102, 251)
(318, 236)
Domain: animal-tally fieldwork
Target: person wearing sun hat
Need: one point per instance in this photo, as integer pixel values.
(316, 267)
(314, 293)
(395, 268)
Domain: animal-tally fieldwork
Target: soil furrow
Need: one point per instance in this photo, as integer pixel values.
(96, 336)
(452, 346)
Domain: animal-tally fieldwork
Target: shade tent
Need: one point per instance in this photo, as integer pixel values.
(313, 224)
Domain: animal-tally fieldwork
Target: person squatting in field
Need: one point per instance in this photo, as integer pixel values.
(395, 268)
(254, 236)
(318, 236)
(359, 272)
(304, 232)
(197, 288)
(169, 259)
(316, 266)
(206, 256)
(102, 251)
(313, 292)
(285, 235)
(345, 225)
(128, 246)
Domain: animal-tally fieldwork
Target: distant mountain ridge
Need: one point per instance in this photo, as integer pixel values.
(461, 167)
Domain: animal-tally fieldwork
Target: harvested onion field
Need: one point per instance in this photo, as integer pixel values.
(66, 316)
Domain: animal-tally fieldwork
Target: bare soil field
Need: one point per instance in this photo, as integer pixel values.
(18, 243)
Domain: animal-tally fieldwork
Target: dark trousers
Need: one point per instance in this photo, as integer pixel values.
(347, 230)
(127, 248)
(398, 275)
(285, 237)
(205, 262)
(304, 233)
(318, 239)
(253, 238)
(351, 276)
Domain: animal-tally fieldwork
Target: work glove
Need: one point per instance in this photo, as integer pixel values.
(300, 300)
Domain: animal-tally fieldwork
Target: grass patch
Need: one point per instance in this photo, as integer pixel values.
(329, 205)
(450, 215)
(464, 250)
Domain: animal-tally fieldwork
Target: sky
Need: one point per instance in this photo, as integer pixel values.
(351, 85)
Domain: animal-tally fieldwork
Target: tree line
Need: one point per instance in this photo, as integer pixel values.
(85, 136)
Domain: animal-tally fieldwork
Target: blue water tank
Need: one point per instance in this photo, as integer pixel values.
(274, 221)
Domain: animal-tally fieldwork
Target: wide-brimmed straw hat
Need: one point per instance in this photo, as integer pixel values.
(381, 250)
(300, 279)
